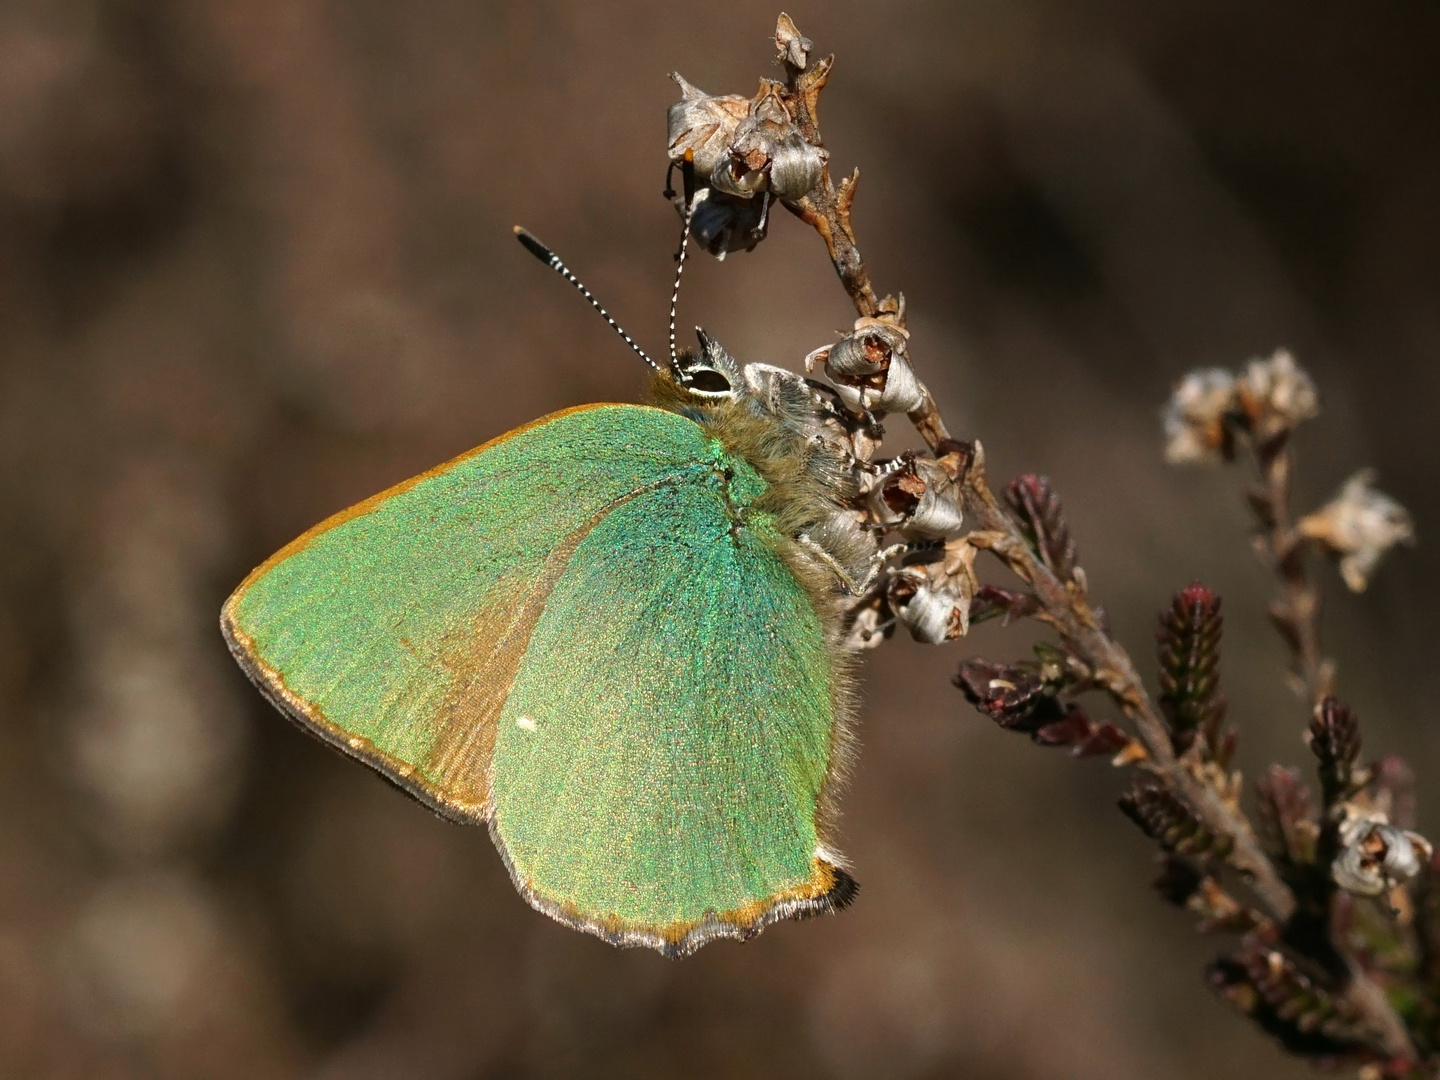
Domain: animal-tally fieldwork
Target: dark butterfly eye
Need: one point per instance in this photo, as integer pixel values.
(707, 381)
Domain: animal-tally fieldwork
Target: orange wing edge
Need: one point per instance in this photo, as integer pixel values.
(829, 889)
(310, 719)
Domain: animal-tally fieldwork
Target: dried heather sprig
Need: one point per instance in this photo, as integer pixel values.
(1285, 816)
(1269, 987)
(1189, 646)
(1163, 817)
(1335, 741)
(1042, 518)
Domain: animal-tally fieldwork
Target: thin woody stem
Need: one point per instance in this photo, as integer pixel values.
(1066, 607)
(827, 210)
(1296, 612)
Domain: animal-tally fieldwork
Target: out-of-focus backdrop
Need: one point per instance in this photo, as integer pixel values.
(256, 264)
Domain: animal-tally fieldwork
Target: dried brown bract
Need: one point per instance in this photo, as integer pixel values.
(870, 367)
(1276, 394)
(1198, 416)
(1358, 527)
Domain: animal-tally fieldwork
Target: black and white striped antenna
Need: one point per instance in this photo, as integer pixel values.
(675, 292)
(550, 259)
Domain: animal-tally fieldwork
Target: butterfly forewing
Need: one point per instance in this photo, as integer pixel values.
(394, 628)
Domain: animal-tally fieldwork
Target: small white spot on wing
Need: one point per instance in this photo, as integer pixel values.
(524, 723)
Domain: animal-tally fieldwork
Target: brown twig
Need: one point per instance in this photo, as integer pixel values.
(1066, 607)
(1296, 612)
(1065, 604)
(827, 210)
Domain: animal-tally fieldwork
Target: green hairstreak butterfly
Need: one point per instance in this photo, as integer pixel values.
(611, 636)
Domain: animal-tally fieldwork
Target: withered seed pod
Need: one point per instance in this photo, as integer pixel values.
(871, 370)
(932, 613)
(703, 125)
(766, 152)
(920, 499)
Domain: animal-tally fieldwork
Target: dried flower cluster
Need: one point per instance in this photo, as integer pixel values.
(1211, 406)
(1331, 907)
(738, 154)
(1358, 526)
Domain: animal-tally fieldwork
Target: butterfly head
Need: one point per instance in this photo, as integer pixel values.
(710, 375)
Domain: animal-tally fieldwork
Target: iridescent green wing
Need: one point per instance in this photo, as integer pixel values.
(668, 735)
(395, 629)
(582, 633)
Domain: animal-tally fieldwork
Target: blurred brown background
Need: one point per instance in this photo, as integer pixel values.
(255, 264)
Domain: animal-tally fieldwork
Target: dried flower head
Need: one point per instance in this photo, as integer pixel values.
(739, 153)
(870, 367)
(1358, 527)
(1195, 417)
(721, 223)
(933, 607)
(1376, 856)
(920, 498)
(702, 126)
(1276, 394)
(743, 146)
(767, 152)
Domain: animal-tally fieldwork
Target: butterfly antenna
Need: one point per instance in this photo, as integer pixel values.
(550, 259)
(675, 293)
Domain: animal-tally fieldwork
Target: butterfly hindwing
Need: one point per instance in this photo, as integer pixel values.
(664, 745)
(576, 634)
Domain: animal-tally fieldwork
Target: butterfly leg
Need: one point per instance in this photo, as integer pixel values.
(877, 561)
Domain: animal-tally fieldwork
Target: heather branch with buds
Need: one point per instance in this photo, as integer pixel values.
(1335, 958)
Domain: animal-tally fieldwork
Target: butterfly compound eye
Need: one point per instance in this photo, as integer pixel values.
(706, 381)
